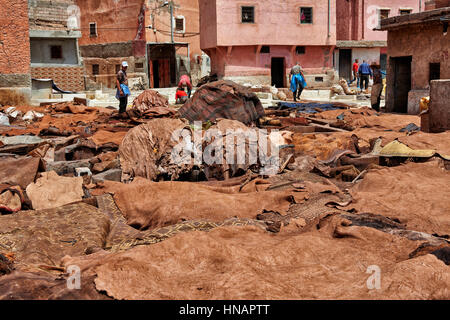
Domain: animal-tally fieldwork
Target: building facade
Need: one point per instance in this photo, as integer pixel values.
(357, 35)
(418, 52)
(139, 32)
(259, 41)
(15, 80)
(54, 43)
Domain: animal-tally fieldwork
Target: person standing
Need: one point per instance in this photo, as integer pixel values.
(355, 73)
(122, 88)
(185, 81)
(377, 87)
(297, 80)
(364, 73)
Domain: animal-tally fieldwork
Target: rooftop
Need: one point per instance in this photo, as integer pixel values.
(432, 16)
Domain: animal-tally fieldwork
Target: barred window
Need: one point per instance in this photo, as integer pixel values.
(306, 15)
(248, 14)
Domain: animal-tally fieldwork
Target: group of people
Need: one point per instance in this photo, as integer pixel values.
(362, 73)
(123, 91)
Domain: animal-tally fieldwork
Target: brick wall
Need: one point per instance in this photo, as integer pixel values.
(66, 78)
(14, 41)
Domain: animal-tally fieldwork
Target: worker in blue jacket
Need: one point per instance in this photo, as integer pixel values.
(365, 72)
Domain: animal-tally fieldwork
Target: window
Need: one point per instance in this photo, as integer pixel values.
(265, 49)
(56, 52)
(117, 68)
(306, 15)
(405, 11)
(384, 13)
(300, 50)
(435, 71)
(179, 24)
(93, 29)
(248, 14)
(95, 69)
(138, 65)
(318, 79)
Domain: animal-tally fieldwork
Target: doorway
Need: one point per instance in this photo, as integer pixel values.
(345, 64)
(162, 65)
(277, 71)
(402, 83)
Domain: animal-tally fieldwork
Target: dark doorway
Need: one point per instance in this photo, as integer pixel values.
(155, 73)
(383, 61)
(162, 65)
(345, 63)
(277, 72)
(402, 83)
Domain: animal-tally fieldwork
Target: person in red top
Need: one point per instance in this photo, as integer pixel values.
(180, 96)
(355, 72)
(185, 81)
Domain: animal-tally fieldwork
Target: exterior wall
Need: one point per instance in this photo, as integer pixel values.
(15, 80)
(121, 21)
(117, 21)
(436, 4)
(368, 54)
(49, 15)
(66, 78)
(426, 44)
(276, 23)
(234, 47)
(52, 23)
(110, 56)
(357, 19)
(40, 50)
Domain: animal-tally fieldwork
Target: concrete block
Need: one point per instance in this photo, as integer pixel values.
(439, 108)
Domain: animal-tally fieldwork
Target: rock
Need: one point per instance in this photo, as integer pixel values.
(111, 175)
(67, 167)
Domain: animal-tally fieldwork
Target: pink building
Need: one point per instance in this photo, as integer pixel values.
(258, 41)
(357, 38)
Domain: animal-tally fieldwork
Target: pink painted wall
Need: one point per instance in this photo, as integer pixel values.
(245, 61)
(276, 23)
(357, 19)
(371, 20)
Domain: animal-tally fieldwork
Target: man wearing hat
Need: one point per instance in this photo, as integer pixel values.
(122, 88)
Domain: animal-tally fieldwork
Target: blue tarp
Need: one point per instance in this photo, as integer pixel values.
(308, 107)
